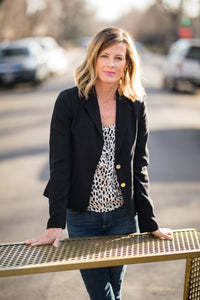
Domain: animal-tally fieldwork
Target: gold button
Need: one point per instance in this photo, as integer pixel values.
(123, 184)
(118, 167)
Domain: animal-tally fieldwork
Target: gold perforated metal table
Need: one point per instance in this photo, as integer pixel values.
(83, 253)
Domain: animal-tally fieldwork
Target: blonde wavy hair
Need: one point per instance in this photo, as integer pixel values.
(86, 74)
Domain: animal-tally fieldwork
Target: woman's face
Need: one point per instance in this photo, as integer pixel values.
(111, 63)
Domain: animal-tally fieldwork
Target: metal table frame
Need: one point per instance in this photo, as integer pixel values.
(83, 253)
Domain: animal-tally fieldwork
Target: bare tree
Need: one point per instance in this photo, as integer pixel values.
(61, 19)
(160, 25)
(13, 19)
(156, 27)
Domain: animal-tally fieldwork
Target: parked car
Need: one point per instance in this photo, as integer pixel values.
(182, 70)
(22, 61)
(56, 56)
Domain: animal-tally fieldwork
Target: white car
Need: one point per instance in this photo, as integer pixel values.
(56, 56)
(22, 61)
(182, 69)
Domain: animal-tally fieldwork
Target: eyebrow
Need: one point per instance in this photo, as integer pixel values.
(119, 54)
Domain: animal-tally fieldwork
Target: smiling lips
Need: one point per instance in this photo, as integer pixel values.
(109, 73)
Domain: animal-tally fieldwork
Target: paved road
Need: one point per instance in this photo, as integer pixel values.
(174, 147)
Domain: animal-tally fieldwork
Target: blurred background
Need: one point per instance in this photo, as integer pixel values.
(41, 44)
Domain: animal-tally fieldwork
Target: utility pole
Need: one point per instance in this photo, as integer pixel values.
(180, 11)
(179, 15)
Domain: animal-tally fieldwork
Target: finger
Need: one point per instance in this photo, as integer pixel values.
(40, 241)
(167, 236)
(27, 242)
(30, 241)
(164, 233)
(167, 233)
(56, 243)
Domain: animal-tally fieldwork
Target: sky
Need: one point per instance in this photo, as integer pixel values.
(110, 10)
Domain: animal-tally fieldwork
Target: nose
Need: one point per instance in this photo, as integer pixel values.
(111, 62)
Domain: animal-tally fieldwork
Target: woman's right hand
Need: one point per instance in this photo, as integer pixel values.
(51, 236)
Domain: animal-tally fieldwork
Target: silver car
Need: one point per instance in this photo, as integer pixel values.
(182, 69)
(55, 55)
(22, 61)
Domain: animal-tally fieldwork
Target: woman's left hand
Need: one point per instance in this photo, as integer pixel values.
(165, 233)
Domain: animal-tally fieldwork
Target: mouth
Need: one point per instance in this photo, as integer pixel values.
(109, 73)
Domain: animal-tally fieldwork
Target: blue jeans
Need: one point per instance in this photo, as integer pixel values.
(101, 283)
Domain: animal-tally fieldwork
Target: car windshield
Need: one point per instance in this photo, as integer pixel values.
(194, 53)
(7, 52)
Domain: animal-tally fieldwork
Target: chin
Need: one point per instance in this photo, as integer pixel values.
(109, 80)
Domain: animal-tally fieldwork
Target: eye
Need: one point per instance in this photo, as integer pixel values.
(104, 55)
(119, 58)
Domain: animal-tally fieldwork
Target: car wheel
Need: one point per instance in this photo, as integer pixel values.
(169, 84)
(185, 86)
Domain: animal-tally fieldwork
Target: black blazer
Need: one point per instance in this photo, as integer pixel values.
(76, 142)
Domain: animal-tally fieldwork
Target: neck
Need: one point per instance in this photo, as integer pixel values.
(106, 92)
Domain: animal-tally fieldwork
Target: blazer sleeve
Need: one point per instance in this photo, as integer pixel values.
(57, 189)
(144, 205)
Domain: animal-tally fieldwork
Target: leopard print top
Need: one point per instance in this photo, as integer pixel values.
(106, 193)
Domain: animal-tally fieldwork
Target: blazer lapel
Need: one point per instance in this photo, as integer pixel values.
(122, 119)
(92, 108)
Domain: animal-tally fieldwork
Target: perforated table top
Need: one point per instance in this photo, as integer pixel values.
(82, 253)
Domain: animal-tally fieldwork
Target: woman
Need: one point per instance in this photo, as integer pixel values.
(99, 157)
